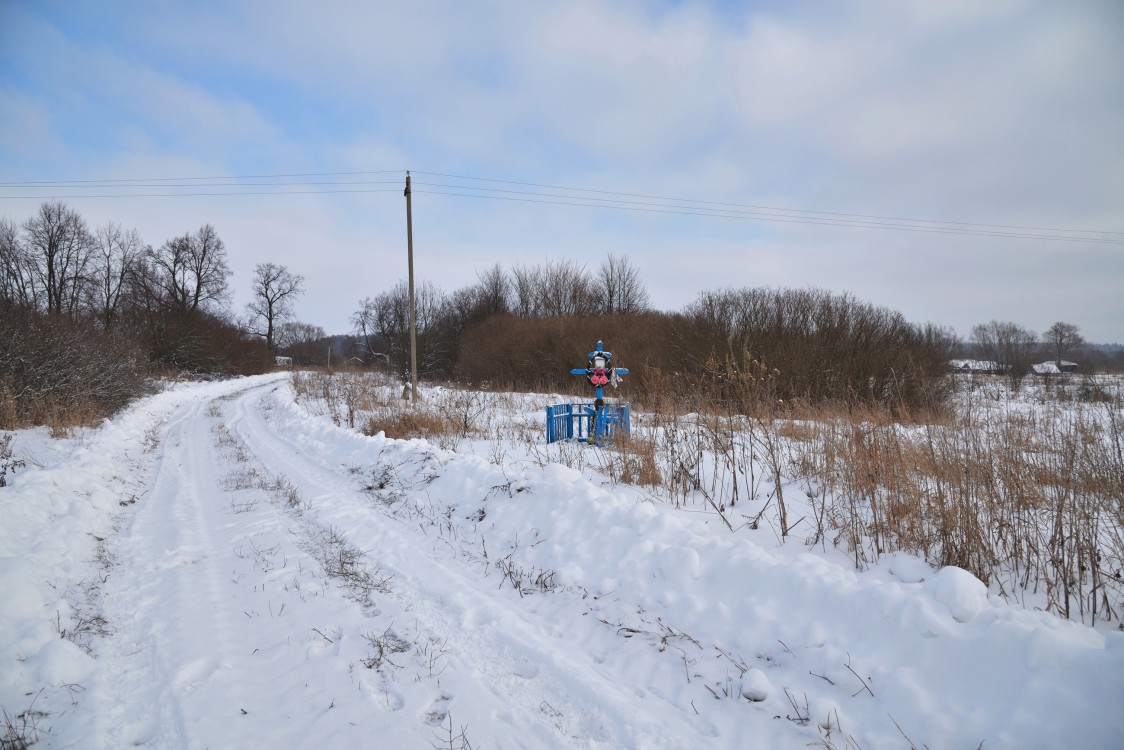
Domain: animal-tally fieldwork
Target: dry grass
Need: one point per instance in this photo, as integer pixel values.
(411, 423)
(20, 732)
(633, 460)
(1026, 494)
(64, 373)
(799, 431)
(372, 404)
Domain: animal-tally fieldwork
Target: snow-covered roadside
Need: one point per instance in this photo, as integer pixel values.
(274, 580)
(943, 664)
(56, 512)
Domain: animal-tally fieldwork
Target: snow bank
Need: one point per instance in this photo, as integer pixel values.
(960, 591)
(55, 510)
(534, 604)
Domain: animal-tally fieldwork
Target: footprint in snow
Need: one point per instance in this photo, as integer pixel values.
(387, 698)
(195, 672)
(438, 710)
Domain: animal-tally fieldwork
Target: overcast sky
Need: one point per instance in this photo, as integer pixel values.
(1006, 113)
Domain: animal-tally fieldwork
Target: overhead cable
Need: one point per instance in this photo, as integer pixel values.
(482, 187)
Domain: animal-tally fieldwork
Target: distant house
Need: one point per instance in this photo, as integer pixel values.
(977, 367)
(283, 361)
(1054, 368)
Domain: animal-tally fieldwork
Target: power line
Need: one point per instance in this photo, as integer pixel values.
(184, 195)
(170, 183)
(762, 207)
(186, 179)
(702, 210)
(580, 197)
(791, 220)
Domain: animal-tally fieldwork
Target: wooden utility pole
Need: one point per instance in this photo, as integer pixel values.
(413, 325)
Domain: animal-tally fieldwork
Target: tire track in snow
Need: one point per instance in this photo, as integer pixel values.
(193, 660)
(532, 677)
(157, 559)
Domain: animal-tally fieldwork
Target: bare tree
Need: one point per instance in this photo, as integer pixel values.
(382, 322)
(557, 288)
(759, 346)
(493, 291)
(116, 252)
(712, 316)
(275, 289)
(461, 309)
(207, 261)
(474, 304)
(300, 341)
(364, 321)
(59, 247)
(144, 295)
(1062, 339)
(168, 269)
(619, 283)
(17, 281)
(292, 333)
(566, 289)
(191, 270)
(1008, 344)
(526, 283)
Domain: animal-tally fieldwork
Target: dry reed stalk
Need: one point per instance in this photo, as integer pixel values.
(635, 461)
(1021, 499)
(1026, 496)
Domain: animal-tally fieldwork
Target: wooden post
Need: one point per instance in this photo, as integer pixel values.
(413, 324)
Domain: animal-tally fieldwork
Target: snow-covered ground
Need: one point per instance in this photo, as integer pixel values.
(219, 567)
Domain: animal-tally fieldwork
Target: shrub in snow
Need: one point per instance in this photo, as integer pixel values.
(963, 593)
(755, 685)
(825, 712)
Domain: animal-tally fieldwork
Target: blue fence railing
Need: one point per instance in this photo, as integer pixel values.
(584, 422)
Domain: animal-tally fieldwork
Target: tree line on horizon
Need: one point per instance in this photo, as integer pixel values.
(526, 327)
(90, 315)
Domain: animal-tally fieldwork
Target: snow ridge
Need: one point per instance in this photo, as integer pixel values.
(233, 571)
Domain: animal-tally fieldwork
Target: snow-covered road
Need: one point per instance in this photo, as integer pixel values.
(229, 630)
(246, 574)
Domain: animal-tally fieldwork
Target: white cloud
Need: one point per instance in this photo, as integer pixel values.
(998, 112)
(28, 127)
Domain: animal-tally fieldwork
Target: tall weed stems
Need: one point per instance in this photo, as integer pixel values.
(1024, 488)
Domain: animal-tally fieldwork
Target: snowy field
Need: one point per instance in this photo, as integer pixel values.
(225, 565)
